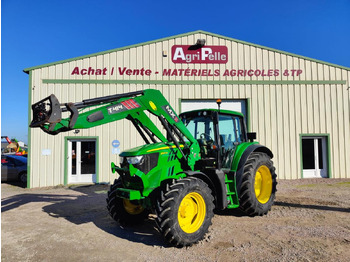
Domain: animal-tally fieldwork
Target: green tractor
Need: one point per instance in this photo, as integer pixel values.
(204, 160)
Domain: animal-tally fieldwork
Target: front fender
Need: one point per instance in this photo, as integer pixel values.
(215, 179)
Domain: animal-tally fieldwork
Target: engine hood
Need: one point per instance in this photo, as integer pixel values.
(149, 149)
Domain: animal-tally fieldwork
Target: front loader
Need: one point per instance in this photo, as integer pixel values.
(204, 160)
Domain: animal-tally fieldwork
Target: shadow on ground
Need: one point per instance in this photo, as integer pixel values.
(90, 206)
(16, 184)
(316, 207)
(239, 213)
(236, 212)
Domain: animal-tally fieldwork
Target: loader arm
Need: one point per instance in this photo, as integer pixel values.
(47, 114)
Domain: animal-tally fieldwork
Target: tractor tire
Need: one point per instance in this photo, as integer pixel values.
(122, 210)
(184, 211)
(258, 187)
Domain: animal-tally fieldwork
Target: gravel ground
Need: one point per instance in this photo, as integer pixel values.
(310, 221)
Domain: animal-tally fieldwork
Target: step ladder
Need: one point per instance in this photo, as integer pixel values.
(232, 197)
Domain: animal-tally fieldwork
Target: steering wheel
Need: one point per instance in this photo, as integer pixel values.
(203, 135)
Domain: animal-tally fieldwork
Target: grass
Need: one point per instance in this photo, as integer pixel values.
(346, 184)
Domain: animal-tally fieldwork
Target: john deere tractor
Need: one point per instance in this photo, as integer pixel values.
(202, 160)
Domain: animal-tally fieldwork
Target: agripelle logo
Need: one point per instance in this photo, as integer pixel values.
(186, 54)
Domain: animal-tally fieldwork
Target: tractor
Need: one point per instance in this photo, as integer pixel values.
(197, 162)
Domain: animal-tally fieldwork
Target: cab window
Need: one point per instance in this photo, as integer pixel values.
(238, 130)
(230, 129)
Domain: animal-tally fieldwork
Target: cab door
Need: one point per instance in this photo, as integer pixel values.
(231, 134)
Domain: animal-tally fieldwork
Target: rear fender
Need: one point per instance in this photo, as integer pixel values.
(248, 151)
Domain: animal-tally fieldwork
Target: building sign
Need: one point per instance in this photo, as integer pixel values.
(187, 54)
(115, 143)
(232, 72)
(115, 147)
(205, 72)
(124, 71)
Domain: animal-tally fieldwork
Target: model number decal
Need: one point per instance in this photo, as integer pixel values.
(171, 113)
(116, 109)
(123, 106)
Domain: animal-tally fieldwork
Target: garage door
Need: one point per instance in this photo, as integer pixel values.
(233, 105)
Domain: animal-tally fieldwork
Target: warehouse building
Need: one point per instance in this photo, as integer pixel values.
(298, 106)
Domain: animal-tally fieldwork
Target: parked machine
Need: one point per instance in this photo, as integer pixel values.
(206, 161)
(14, 147)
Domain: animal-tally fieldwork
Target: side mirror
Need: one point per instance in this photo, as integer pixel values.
(251, 136)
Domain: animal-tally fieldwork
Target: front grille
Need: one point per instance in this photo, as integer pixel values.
(132, 182)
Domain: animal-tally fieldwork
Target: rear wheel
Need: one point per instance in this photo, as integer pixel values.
(184, 211)
(122, 210)
(258, 188)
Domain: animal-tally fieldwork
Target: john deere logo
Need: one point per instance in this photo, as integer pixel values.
(153, 105)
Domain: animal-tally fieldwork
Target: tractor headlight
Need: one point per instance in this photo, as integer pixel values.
(134, 160)
(144, 163)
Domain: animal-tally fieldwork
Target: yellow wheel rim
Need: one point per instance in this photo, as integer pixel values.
(263, 184)
(192, 212)
(131, 208)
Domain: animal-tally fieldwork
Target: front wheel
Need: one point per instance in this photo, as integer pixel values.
(122, 210)
(258, 187)
(184, 211)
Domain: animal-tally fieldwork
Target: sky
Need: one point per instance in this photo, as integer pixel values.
(37, 32)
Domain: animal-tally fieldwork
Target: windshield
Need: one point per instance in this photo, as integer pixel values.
(230, 128)
(200, 127)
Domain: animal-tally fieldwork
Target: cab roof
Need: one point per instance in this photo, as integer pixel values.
(222, 111)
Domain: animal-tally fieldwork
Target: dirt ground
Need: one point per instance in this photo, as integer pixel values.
(310, 221)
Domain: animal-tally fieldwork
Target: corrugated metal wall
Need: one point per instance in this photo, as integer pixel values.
(278, 113)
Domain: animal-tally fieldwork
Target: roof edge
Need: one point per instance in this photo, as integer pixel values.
(27, 70)
(277, 50)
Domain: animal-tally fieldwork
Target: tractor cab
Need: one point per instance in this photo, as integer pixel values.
(218, 133)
